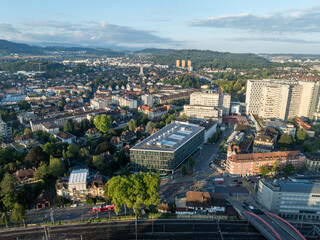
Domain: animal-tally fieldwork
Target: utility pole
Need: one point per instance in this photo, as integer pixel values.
(136, 229)
(45, 232)
(51, 216)
(152, 223)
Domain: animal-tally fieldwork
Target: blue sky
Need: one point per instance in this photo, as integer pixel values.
(282, 26)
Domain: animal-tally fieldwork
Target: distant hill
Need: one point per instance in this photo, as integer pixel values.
(212, 59)
(7, 47)
(153, 51)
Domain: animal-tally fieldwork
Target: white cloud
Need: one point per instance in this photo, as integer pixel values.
(86, 33)
(287, 21)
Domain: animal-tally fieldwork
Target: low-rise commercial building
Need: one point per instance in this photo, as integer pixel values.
(167, 148)
(297, 199)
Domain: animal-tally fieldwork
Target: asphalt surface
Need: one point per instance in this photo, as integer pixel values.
(65, 214)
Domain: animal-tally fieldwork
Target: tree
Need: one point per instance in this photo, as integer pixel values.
(184, 170)
(68, 127)
(104, 147)
(18, 213)
(285, 140)
(42, 172)
(89, 200)
(83, 153)
(149, 127)
(42, 135)
(8, 191)
(264, 170)
(24, 105)
(58, 201)
(98, 162)
(289, 168)
(301, 136)
(61, 105)
(103, 122)
(35, 157)
(133, 191)
(73, 150)
(132, 125)
(27, 131)
(50, 148)
(191, 162)
(4, 219)
(275, 167)
(56, 167)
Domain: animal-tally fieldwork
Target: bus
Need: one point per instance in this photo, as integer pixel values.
(103, 208)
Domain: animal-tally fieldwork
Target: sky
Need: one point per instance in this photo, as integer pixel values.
(239, 26)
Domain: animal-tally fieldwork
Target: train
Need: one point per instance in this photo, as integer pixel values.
(103, 208)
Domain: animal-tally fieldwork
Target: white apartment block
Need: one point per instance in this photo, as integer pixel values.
(147, 99)
(202, 112)
(5, 130)
(99, 103)
(124, 102)
(208, 105)
(282, 99)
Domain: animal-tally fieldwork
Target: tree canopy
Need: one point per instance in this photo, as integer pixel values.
(35, 156)
(135, 190)
(103, 122)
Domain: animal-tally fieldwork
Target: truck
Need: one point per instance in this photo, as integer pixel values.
(218, 180)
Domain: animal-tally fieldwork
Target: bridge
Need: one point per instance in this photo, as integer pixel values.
(268, 224)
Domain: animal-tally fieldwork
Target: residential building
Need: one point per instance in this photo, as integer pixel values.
(265, 140)
(124, 101)
(213, 99)
(249, 164)
(177, 63)
(79, 185)
(117, 142)
(50, 127)
(282, 99)
(26, 176)
(291, 199)
(208, 105)
(147, 99)
(306, 127)
(202, 112)
(167, 148)
(313, 161)
(100, 103)
(65, 137)
(5, 130)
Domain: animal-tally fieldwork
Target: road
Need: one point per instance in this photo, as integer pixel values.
(269, 227)
(64, 214)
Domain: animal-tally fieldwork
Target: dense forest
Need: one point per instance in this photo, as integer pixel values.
(212, 59)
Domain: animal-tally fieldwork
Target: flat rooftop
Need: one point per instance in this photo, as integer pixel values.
(170, 138)
(295, 185)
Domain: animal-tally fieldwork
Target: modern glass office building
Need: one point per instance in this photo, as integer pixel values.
(167, 148)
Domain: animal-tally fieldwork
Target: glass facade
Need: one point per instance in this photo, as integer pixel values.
(157, 159)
